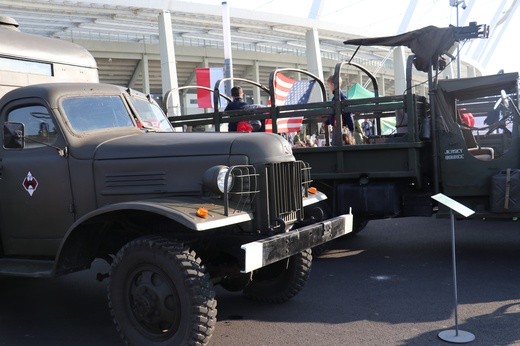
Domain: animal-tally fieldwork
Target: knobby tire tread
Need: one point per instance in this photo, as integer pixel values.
(204, 310)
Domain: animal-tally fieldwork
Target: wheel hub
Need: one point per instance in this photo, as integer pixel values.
(145, 303)
(154, 302)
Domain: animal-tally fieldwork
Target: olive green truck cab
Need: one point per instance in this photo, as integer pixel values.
(92, 171)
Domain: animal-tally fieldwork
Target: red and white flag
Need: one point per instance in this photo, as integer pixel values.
(207, 77)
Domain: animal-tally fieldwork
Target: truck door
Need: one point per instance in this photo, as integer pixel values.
(35, 193)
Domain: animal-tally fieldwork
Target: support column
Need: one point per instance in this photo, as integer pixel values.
(256, 78)
(399, 70)
(399, 56)
(146, 75)
(228, 59)
(313, 53)
(471, 71)
(168, 65)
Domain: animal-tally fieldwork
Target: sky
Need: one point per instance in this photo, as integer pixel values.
(374, 18)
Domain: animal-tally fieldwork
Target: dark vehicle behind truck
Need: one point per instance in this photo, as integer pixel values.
(430, 150)
(93, 171)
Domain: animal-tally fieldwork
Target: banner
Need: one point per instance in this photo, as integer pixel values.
(207, 77)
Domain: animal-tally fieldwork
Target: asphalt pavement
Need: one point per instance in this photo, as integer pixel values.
(392, 284)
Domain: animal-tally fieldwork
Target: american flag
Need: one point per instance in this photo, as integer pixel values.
(282, 86)
(300, 92)
(288, 91)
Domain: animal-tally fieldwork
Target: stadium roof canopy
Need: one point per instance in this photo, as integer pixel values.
(118, 32)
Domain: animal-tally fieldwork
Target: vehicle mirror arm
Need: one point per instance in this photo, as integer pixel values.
(63, 152)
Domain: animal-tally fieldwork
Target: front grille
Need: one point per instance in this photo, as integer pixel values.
(287, 182)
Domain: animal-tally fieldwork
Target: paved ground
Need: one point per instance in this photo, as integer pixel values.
(390, 285)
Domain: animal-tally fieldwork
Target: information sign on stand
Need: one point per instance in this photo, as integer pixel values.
(454, 335)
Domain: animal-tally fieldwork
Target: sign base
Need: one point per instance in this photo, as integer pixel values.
(452, 336)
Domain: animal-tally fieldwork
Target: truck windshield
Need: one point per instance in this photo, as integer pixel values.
(93, 113)
(150, 116)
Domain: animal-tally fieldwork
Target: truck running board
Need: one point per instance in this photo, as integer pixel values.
(26, 268)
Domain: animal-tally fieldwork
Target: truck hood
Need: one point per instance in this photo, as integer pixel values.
(257, 147)
(153, 164)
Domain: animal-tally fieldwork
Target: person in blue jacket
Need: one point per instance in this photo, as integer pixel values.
(238, 103)
(237, 93)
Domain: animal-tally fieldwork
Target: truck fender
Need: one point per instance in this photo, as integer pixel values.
(81, 241)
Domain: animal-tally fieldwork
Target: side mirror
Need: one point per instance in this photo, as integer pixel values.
(14, 136)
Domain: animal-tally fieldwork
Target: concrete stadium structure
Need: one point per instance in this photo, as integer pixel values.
(125, 41)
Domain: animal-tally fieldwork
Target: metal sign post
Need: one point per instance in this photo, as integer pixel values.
(454, 335)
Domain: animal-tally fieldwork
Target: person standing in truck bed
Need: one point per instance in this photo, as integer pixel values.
(238, 103)
(346, 117)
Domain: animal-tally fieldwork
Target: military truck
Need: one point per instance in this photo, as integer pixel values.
(95, 171)
(429, 150)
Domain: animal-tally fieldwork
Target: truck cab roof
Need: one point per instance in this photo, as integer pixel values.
(53, 92)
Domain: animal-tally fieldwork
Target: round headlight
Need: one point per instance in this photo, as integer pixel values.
(215, 179)
(221, 180)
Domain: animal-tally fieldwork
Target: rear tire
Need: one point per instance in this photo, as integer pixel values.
(280, 281)
(159, 294)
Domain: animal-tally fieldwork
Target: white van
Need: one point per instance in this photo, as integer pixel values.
(27, 59)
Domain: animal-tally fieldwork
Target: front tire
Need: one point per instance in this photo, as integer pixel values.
(280, 281)
(159, 294)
